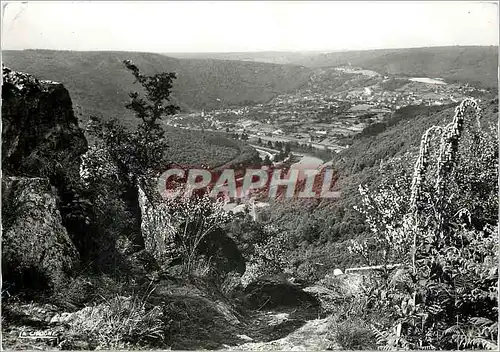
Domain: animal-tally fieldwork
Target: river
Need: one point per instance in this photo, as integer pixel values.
(427, 80)
(309, 161)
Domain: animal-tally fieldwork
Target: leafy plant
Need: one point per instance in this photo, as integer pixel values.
(444, 293)
(269, 256)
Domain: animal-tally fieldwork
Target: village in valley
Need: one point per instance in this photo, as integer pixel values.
(336, 104)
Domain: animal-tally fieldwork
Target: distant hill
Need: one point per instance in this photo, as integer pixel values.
(99, 84)
(276, 57)
(477, 65)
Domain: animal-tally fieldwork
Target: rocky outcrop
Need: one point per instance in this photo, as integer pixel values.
(40, 134)
(36, 247)
(42, 216)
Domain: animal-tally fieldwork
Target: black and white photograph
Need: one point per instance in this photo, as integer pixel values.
(249, 175)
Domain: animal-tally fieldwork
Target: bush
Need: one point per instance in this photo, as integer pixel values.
(353, 334)
(269, 257)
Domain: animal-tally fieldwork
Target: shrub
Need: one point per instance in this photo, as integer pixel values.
(353, 334)
(269, 257)
(193, 220)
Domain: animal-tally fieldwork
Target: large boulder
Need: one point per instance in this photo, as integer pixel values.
(36, 248)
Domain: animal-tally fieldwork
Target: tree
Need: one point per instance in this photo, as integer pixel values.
(157, 90)
(120, 158)
(137, 153)
(267, 160)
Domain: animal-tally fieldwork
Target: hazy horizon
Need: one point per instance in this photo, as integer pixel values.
(191, 27)
(258, 51)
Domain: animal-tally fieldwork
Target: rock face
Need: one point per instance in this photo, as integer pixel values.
(41, 149)
(36, 247)
(40, 134)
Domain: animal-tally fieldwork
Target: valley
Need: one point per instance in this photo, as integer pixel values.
(116, 266)
(335, 105)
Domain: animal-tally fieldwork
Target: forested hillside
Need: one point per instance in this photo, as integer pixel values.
(321, 230)
(97, 84)
(467, 64)
(475, 65)
(160, 271)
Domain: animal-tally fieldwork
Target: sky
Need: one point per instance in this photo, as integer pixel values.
(210, 26)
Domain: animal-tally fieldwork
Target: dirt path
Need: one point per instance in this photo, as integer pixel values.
(313, 335)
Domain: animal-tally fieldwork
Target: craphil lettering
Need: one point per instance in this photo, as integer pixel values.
(299, 181)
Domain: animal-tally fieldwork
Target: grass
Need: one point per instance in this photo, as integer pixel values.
(118, 323)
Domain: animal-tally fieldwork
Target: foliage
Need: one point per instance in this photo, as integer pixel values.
(158, 89)
(193, 219)
(129, 155)
(116, 161)
(372, 161)
(269, 256)
(265, 247)
(444, 294)
(132, 153)
(353, 334)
